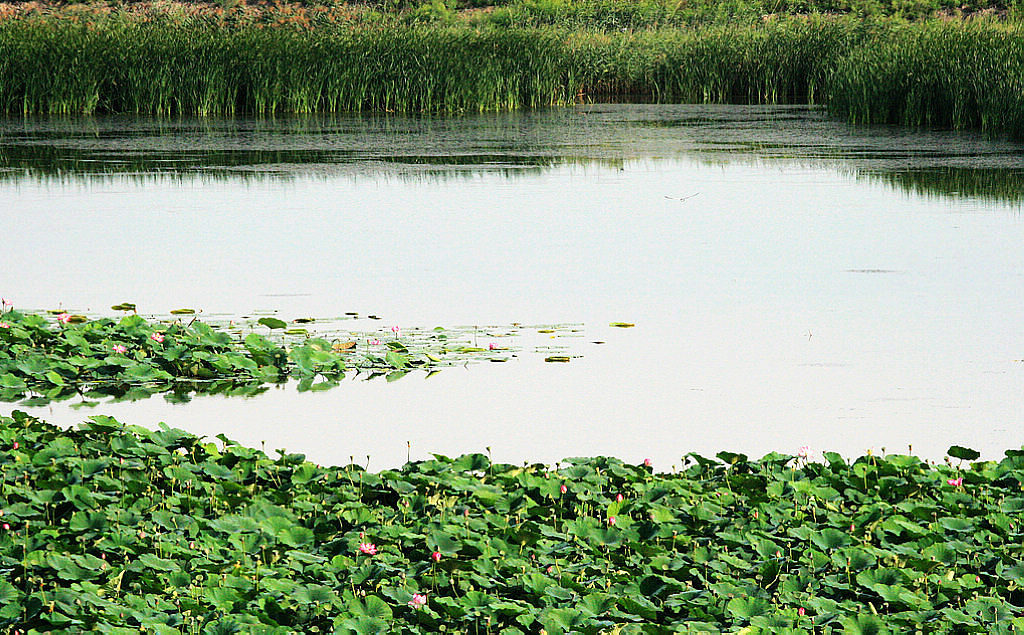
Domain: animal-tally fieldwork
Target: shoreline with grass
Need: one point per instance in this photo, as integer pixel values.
(175, 60)
(113, 528)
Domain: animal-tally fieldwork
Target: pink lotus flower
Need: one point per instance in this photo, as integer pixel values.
(15, 446)
(157, 337)
(563, 488)
(801, 612)
(395, 329)
(64, 318)
(6, 526)
(956, 482)
(418, 600)
(436, 556)
(611, 520)
(368, 548)
(4, 325)
(119, 348)
(647, 463)
(805, 452)
(618, 498)
(373, 342)
(551, 568)
(5, 302)
(492, 346)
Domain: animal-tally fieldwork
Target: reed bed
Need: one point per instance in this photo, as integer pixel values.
(960, 75)
(153, 68)
(162, 68)
(951, 74)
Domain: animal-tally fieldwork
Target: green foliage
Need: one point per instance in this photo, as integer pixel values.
(964, 74)
(961, 75)
(167, 68)
(42, 359)
(114, 526)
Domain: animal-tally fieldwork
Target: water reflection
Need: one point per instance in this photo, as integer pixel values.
(432, 148)
(989, 184)
(808, 295)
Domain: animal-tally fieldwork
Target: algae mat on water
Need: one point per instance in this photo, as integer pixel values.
(115, 528)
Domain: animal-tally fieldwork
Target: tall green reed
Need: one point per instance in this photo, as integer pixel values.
(952, 74)
(961, 75)
(164, 68)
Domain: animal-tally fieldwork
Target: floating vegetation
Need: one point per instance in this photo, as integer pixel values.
(60, 356)
(111, 528)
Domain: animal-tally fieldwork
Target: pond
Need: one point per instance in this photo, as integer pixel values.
(792, 280)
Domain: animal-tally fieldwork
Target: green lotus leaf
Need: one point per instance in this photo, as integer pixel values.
(960, 452)
(7, 380)
(562, 620)
(272, 323)
(155, 563)
(863, 625)
(746, 608)
(1014, 572)
(364, 625)
(955, 524)
(1012, 504)
(296, 536)
(372, 606)
(443, 543)
(829, 538)
(471, 463)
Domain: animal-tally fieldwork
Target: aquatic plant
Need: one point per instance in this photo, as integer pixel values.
(111, 527)
(941, 73)
(51, 357)
(960, 75)
(120, 65)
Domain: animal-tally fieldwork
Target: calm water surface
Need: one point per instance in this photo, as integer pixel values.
(794, 281)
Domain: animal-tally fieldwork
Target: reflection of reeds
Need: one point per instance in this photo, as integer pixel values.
(988, 184)
(431, 149)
